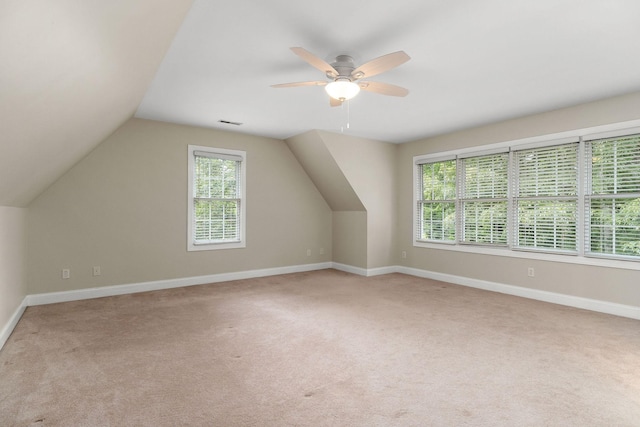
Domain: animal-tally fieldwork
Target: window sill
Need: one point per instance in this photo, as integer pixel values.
(216, 246)
(568, 259)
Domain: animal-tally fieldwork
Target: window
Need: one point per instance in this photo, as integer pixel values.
(484, 199)
(437, 201)
(546, 197)
(216, 198)
(576, 196)
(613, 196)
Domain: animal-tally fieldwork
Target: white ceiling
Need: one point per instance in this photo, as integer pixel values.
(473, 62)
(72, 71)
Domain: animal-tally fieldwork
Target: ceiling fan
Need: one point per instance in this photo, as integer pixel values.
(346, 77)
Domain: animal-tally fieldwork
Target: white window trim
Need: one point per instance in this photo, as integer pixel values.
(243, 204)
(596, 132)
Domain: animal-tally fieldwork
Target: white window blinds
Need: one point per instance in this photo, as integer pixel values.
(216, 198)
(578, 195)
(612, 202)
(546, 197)
(483, 196)
(436, 207)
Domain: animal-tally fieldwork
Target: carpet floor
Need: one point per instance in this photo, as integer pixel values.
(324, 348)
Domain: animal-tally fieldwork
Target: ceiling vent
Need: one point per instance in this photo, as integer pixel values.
(228, 122)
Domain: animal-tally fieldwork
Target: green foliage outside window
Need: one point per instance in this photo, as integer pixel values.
(216, 200)
(484, 201)
(547, 200)
(437, 204)
(614, 213)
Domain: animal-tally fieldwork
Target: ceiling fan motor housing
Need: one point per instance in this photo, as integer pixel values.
(344, 65)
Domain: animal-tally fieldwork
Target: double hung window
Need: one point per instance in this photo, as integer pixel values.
(484, 199)
(545, 184)
(437, 201)
(216, 198)
(613, 196)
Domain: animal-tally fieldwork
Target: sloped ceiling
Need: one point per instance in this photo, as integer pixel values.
(71, 72)
(311, 151)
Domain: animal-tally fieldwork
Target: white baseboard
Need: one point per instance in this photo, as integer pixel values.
(81, 294)
(600, 306)
(367, 272)
(106, 291)
(13, 321)
(349, 269)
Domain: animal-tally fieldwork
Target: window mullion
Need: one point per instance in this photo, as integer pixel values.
(581, 216)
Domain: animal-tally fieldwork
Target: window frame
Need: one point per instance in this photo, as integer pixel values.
(515, 175)
(582, 255)
(590, 196)
(222, 153)
(421, 201)
(469, 198)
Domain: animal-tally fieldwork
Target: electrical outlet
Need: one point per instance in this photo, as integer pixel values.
(66, 273)
(404, 254)
(96, 270)
(308, 252)
(321, 251)
(531, 272)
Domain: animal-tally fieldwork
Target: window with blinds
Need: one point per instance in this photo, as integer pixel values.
(546, 197)
(436, 201)
(483, 197)
(216, 207)
(579, 195)
(612, 202)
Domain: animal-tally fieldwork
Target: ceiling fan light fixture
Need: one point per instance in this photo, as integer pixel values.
(342, 89)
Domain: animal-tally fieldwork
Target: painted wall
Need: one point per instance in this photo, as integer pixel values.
(350, 238)
(311, 151)
(357, 178)
(617, 285)
(369, 166)
(123, 208)
(13, 255)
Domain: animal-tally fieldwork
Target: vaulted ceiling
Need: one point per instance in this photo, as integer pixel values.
(72, 71)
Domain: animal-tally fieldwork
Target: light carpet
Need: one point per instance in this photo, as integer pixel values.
(323, 348)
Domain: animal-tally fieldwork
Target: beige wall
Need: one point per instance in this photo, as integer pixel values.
(311, 151)
(123, 207)
(369, 166)
(357, 178)
(603, 283)
(13, 255)
(350, 238)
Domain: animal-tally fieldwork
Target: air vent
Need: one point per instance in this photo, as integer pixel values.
(227, 122)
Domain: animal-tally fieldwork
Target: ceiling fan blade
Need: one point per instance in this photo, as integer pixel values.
(334, 102)
(298, 84)
(380, 65)
(316, 62)
(383, 88)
